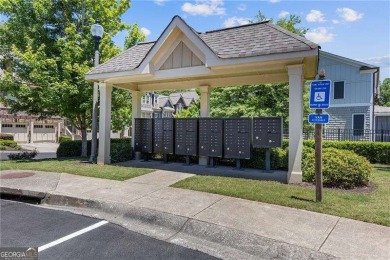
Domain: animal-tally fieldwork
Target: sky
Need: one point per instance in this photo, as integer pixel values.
(354, 29)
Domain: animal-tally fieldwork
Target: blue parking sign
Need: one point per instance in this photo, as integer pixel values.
(318, 118)
(319, 94)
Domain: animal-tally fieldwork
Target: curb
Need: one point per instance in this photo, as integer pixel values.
(212, 239)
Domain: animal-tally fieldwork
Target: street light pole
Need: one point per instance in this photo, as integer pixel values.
(97, 33)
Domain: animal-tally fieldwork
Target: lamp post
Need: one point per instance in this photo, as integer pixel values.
(97, 33)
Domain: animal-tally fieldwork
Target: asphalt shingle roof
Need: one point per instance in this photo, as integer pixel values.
(249, 40)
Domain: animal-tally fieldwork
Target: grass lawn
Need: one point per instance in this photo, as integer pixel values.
(76, 166)
(371, 206)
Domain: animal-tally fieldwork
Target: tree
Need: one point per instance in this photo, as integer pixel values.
(290, 24)
(135, 35)
(53, 49)
(193, 111)
(384, 99)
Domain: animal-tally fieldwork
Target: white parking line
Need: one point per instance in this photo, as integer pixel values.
(73, 235)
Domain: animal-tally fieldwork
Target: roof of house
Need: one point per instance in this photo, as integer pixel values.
(381, 110)
(363, 66)
(256, 39)
(162, 100)
(188, 97)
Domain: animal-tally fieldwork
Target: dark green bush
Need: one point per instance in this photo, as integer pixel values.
(4, 136)
(23, 155)
(340, 168)
(375, 152)
(64, 138)
(9, 143)
(121, 152)
(69, 148)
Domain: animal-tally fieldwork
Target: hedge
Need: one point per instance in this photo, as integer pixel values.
(4, 136)
(64, 138)
(120, 149)
(375, 152)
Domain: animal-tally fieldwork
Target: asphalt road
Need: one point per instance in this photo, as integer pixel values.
(30, 226)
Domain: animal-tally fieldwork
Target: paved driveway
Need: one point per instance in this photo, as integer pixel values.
(45, 150)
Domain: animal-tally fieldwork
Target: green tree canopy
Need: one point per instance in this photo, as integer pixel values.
(384, 99)
(135, 35)
(52, 49)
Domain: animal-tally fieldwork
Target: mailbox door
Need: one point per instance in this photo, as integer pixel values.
(180, 135)
(244, 138)
(191, 140)
(216, 138)
(267, 132)
(168, 142)
(158, 133)
(204, 129)
(147, 135)
(230, 139)
(138, 135)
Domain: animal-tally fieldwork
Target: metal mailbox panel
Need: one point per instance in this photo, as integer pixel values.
(168, 141)
(144, 135)
(186, 137)
(267, 132)
(137, 135)
(158, 134)
(211, 137)
(237, 138)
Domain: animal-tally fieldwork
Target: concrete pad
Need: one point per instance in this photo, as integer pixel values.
(353, 239)
(40, 181)
(161, 178)
(177, 201)
(294, 226)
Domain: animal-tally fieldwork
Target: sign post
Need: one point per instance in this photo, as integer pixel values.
(319, 100)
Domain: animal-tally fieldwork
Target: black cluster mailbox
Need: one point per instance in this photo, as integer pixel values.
(267, 132)
(163, 136)
(211, 137)
(143, 135)
(237, 138)
(186, 136)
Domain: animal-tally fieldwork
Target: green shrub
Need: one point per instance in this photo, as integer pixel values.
(64, 138)
(9, 143)
(69, 148)
(375, 152)
(23, 155)
(340, 168)
(121, 152)
(4, 136)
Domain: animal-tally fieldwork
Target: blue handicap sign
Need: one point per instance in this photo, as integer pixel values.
(319, 94)
(319, 118)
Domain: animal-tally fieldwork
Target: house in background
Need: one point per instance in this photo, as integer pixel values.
(352, 102)
(154, 105)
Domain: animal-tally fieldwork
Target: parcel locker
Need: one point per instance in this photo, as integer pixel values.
(211, 137)
(237, 138)
(163, 136)
(267, 132)
(186, 136)
(144, 135)
(158, 133)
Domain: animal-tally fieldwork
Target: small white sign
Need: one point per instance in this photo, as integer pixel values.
(319, 97)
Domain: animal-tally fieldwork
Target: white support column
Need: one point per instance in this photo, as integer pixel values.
(31, 131)
(295, 129)
(104, 124)
(204, 101)
(135, 112)
(0, 124)
(58, 131)
(204, 112)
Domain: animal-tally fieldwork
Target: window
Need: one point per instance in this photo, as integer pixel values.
(49, 126)
(38, 126)
(155, 100)
(358, 124)
(146, 99)
(6, 125)
(20, 126)
(338, 90)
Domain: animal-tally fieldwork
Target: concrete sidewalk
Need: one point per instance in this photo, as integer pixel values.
(221, 226)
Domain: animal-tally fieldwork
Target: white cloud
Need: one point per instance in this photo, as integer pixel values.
(204, 7)
(320, 35)
(315, 16)
(381, 61)
(241, 7)
(146, 31)
(349, 15)
(160, 2)
(274, 1)
(334, 21)
(283, 14)
(234, 21)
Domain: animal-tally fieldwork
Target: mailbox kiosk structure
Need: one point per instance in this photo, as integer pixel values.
(186, 137)
(267, 133)
(163, 138)
(211, 138)
(143, 136)
(237, 139)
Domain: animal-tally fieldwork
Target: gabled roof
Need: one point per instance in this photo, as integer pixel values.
(256, 39)
(362, 65)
